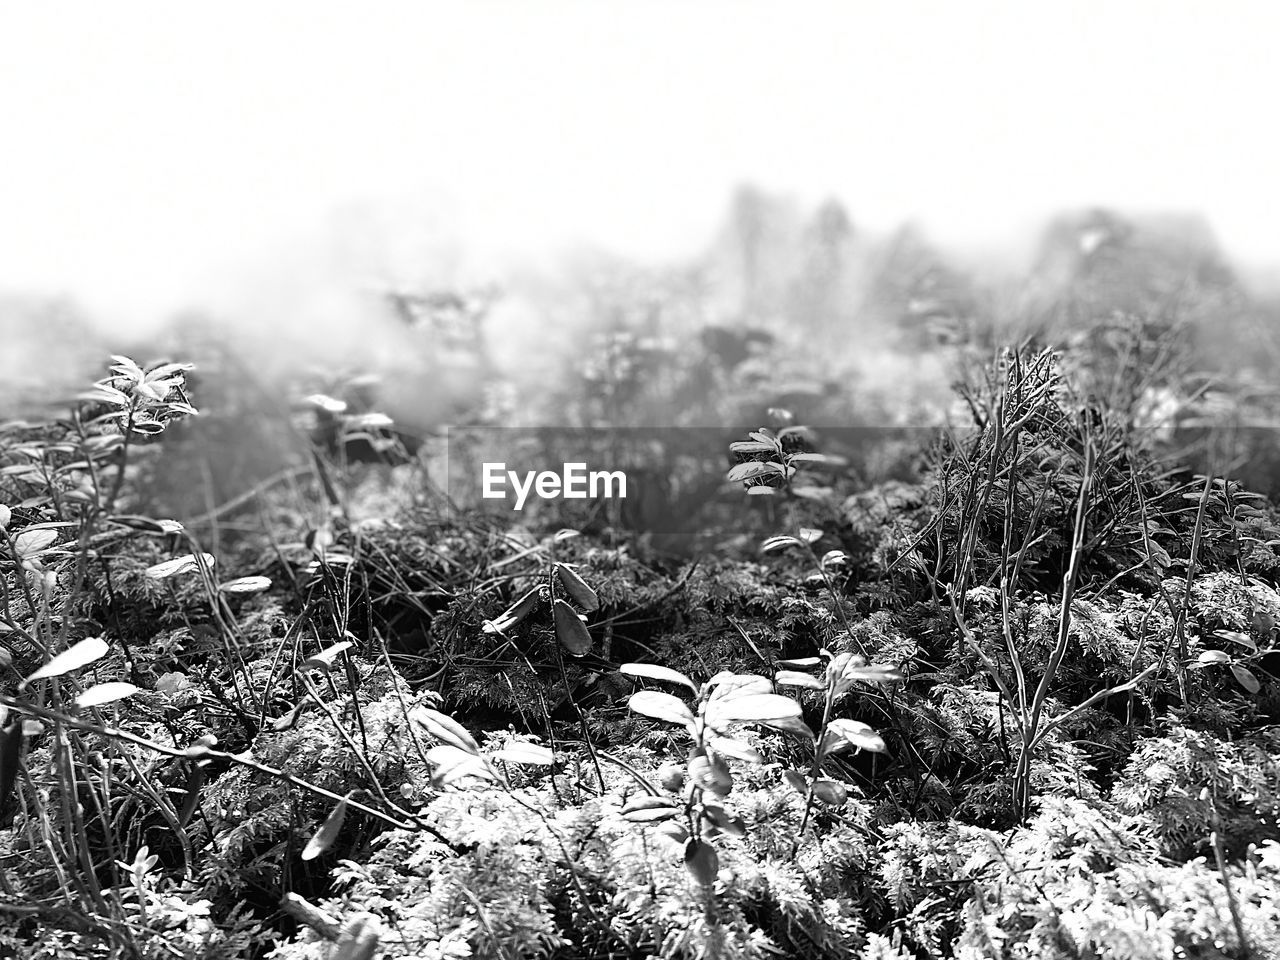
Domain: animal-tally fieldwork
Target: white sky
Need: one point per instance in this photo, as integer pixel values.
(151, 152)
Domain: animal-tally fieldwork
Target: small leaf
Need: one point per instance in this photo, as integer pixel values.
(731, 747)
(753, 469)
(514, 613)
(660, 706)
(451, 765)
(29, 543)
(762, 707)
(526, 753)
(148, 525)
(5, 516)
(729, 686)
(801, 662)
(105, 693)
(810, 534)
(323, 661)
(830, 792)
(843, 734)
(752, 446)
(170, 568)
(711, 774)
(195, 781)
(1244, 676)
(774, 544)
(797, 781)
(650, 809)
(445, 729)
(323, 838)
(653, 671)
(577, 588)
(834, 558)
(326, 403)
(570, 630)
(246, 585)
(1213, 656)
(674, 831)
(791, 678)
(73, 658)
(10, 755)
(723, 821)
(794, 726)
(702, 861)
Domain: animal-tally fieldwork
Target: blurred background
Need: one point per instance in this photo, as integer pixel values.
(642, 215)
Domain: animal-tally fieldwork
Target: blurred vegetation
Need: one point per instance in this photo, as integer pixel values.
(943, 622)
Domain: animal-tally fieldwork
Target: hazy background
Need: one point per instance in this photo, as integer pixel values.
(157, 156)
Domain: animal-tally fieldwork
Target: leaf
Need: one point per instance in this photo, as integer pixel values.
(731, 747)
(794, 726)
(195, 781)
(834, 558)
(170, 568)
(830, 792)
(451, 765)
(797, 781)
(246, 585)
(728, 686)
(147, 524)
(31, 542)
(843, 734)
(323, 661)
(774, 544)
(105, 693)
(650, 809)
(660, 706)
(721, 820)
(514, 613)
(702, 861)
(73, 658)
(792, 678)
(711, 774)
(1213, 656)
(445, 729)
(527, 753)
(1244, 676)
(570, 630)
(752, 446)
(325, 402)
(653, 671)
(801, 662)
(577, 588)
(323, 838)
(5, 516)
(754, 468)
(810, 534)
(761, 707)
